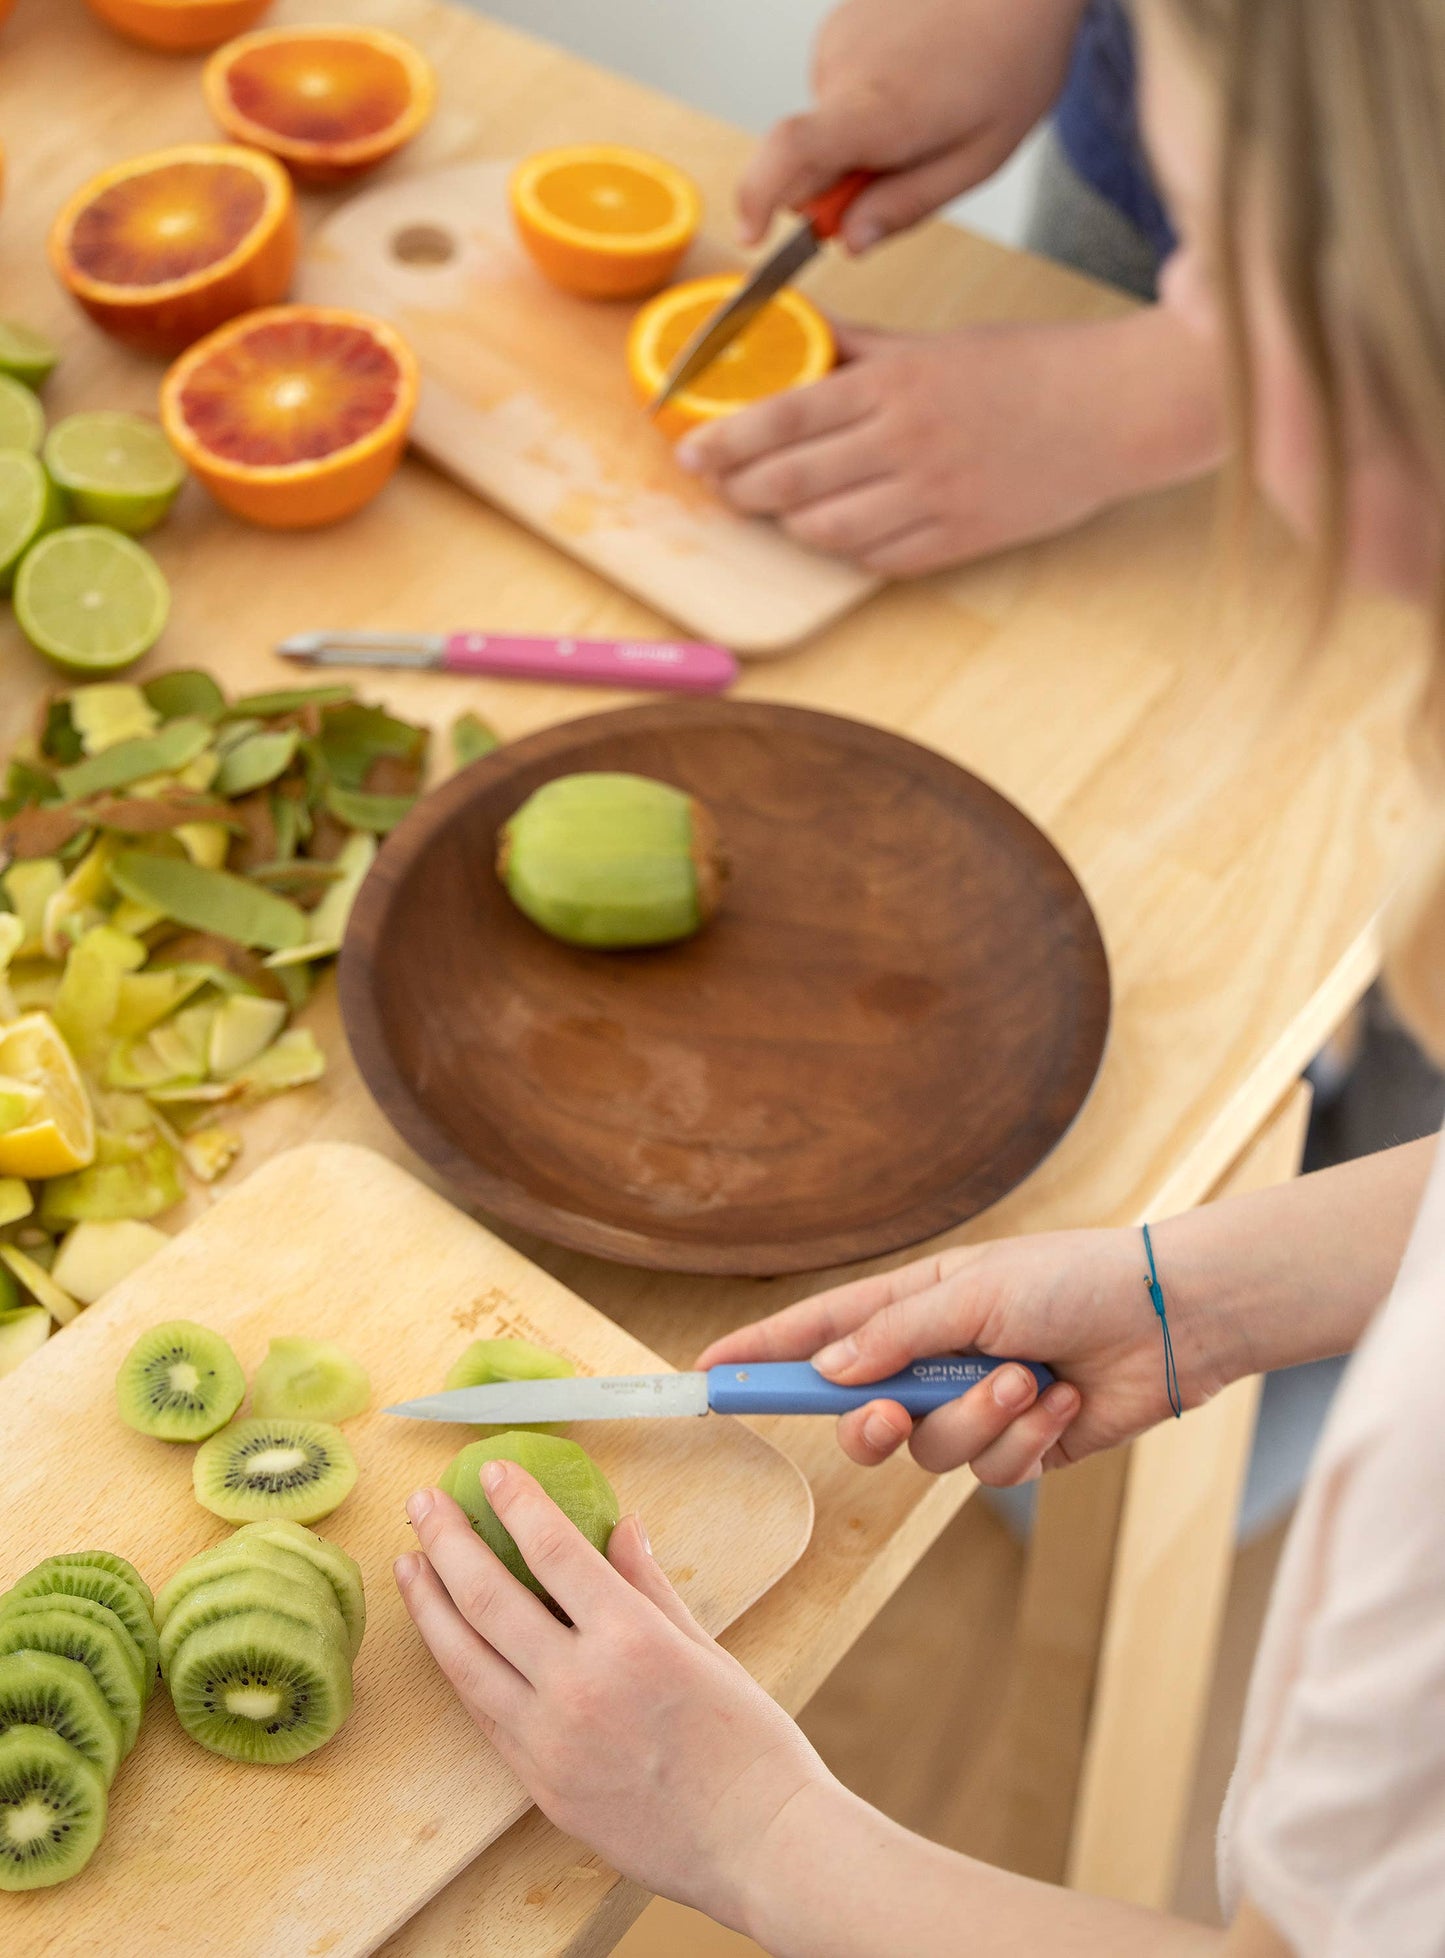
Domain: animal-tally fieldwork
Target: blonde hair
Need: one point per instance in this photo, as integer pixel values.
(1336, 110)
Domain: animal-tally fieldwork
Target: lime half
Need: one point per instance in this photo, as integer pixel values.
(30, 504)
(25, 354)
(90, 599)
(119, 469)
(22, 419)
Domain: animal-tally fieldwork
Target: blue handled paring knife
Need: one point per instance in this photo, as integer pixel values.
(770, 1387)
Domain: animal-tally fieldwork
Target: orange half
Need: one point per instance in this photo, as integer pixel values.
(329, 101)
(179, 26)
(166, 247)
(786, 345)
(602, 220)
(295, 416)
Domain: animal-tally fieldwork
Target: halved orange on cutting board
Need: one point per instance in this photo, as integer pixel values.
(602, 220)
(179, 26)
(166, 247)
(329, 101)
(786, 345)
(294, 416)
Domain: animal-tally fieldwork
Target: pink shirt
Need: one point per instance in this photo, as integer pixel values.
(1334, 1826)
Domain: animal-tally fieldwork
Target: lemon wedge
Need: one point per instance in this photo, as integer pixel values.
(59, 1135)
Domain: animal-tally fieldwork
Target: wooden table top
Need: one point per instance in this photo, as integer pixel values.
(1230, 797)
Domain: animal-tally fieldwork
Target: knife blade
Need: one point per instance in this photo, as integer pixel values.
(765, 1387)
(820, 220)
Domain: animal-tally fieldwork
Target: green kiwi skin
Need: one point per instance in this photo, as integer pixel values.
(309, 1380)
(220, 1490)
(33, 1759)
(221, 1375)
(342, 1572)
(248, 1643)
(88, 1633)
(53, 1578)
(565, 1470)
(42, 1689)
(249, 1587)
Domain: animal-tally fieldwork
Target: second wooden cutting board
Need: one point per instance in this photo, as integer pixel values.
(206, 1858)
(525, 399)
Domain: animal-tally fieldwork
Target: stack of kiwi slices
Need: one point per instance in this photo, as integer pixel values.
(181, 1382)
(78, 1653)
(257, 1641)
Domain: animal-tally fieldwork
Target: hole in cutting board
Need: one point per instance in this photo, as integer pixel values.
(424, 244)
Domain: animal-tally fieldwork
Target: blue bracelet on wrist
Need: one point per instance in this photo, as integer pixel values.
(1156, 1295)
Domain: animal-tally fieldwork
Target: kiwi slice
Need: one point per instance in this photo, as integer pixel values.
(287, 1569)
(257, 1469)
(309, 1380)
(250, 1588)
(258, 1687)
(117, 1566)
(566, 1471)
(55, 1577)
(91, 1635)
(341, 1571)
(40, 1689)
(52, 1809)
(487, 1361)
(179, 1382)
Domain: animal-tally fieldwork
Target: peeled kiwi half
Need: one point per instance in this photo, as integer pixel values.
(52, 1808)
(40, 1689)
(258, 1687)
(486, 1361)
(256, 1469)
(179, 1382)
(309, 1380)
(566, 1471)
(91, 1635)
(55, 1577)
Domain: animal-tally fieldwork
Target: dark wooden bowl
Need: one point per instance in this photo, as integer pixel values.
(898, 1012)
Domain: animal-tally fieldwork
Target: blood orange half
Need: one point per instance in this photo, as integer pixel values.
(179, 26)
(329, 101)
(294, 416)
(168, 246)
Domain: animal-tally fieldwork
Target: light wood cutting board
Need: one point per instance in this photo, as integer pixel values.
(205, 1858)
(526, 400)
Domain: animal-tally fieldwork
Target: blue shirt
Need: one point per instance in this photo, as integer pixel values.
(1097, 120)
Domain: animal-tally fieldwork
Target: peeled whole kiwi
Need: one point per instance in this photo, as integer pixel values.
(613, 861)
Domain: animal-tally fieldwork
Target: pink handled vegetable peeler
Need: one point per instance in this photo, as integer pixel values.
(656, 665)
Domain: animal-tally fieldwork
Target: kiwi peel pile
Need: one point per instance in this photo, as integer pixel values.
(78, 1652)
(257, 1641)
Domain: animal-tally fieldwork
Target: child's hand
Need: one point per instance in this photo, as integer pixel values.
(919, 453)
(936, 93)
(630, 1727)
(1075, 1300)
